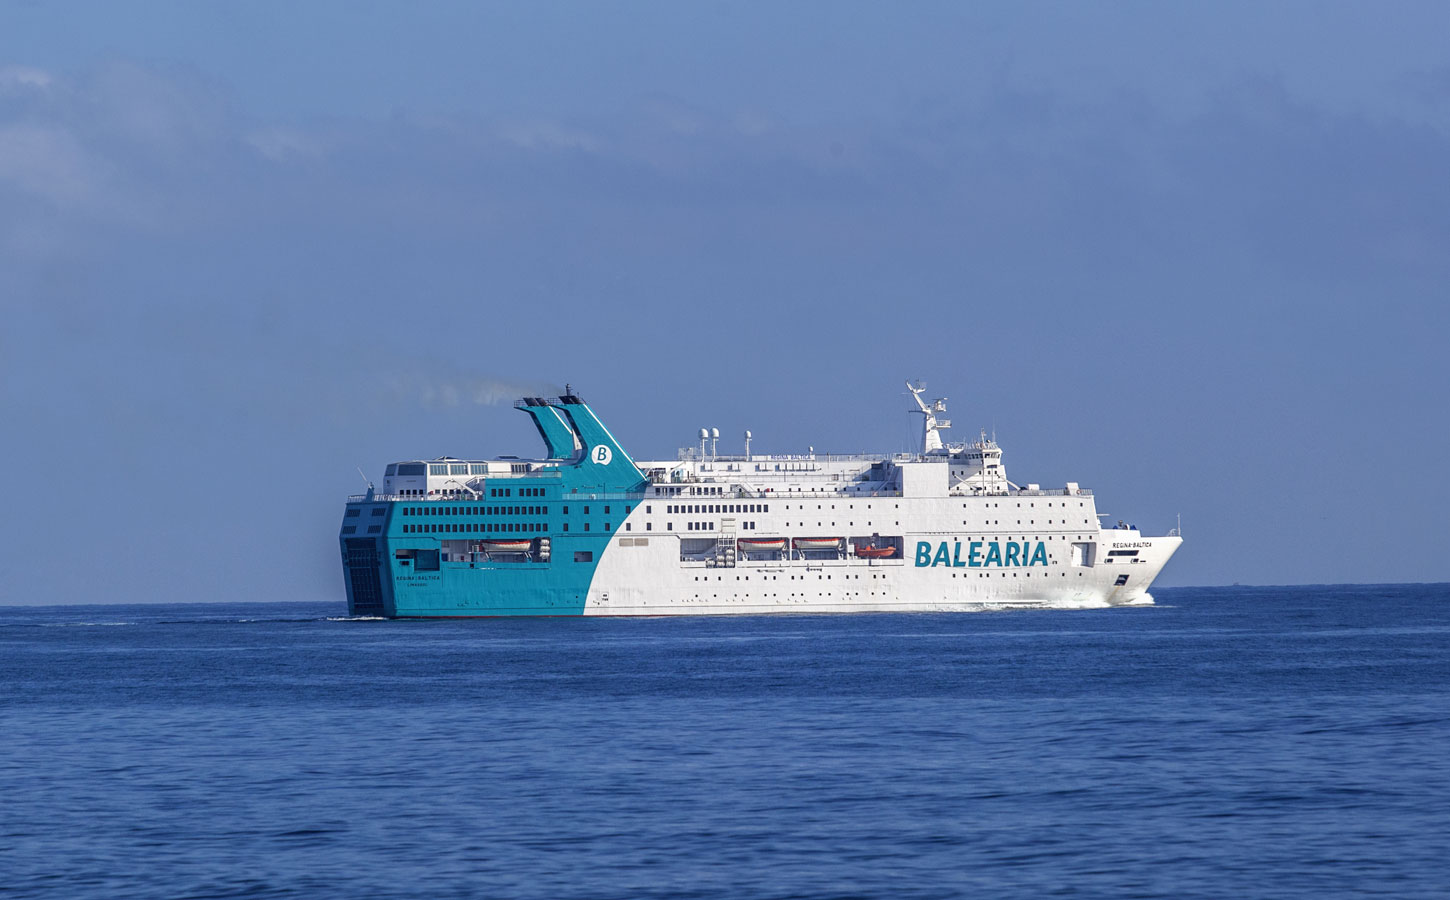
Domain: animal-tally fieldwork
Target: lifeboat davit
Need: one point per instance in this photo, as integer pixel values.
(515, 546)
(818, 543)
(875, 552)
(762, 544)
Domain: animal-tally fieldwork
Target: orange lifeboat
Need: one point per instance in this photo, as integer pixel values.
(875, 552)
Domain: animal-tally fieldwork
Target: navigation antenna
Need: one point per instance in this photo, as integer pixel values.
(930, 440)
(365, 480)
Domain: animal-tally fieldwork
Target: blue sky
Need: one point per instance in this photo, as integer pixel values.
(1192, 256)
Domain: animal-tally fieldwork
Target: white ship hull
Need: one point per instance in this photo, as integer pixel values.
(647, 574)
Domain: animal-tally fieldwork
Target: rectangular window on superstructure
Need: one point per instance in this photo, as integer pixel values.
(436, 469)
(379, 510)
(566, 510)
(374, 529)
(566, 526)
(349, 529)
(352, 513)
(478, 468)
(456, 469)
(584, 556)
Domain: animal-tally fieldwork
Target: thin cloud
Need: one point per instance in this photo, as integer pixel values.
(545, 135)
(284, 144)
(47, 162)
(21, 78)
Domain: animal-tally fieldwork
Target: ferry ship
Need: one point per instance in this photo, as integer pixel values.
(587, 530)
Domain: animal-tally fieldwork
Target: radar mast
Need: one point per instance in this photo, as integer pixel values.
(931, 442)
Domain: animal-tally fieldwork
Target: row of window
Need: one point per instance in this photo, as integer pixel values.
(523, 492)
(717, 508)
(477, 528)
(476, 510)
(474, 528)
(352, 529)
(353, 512)
(444, 469)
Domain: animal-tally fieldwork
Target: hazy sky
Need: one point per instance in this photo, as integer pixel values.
(1195, 257)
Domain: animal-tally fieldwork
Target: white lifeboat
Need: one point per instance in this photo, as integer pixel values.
(762, 544)
(818, 543)
(514, 546)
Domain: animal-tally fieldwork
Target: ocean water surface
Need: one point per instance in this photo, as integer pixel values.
(1229, 742)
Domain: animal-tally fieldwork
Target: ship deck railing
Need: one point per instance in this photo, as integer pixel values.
(737, 494)
(1051, 492)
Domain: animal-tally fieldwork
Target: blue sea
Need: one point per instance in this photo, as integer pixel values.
(1229, 742)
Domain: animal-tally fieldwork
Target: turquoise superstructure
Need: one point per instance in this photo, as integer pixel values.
(506, 537)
